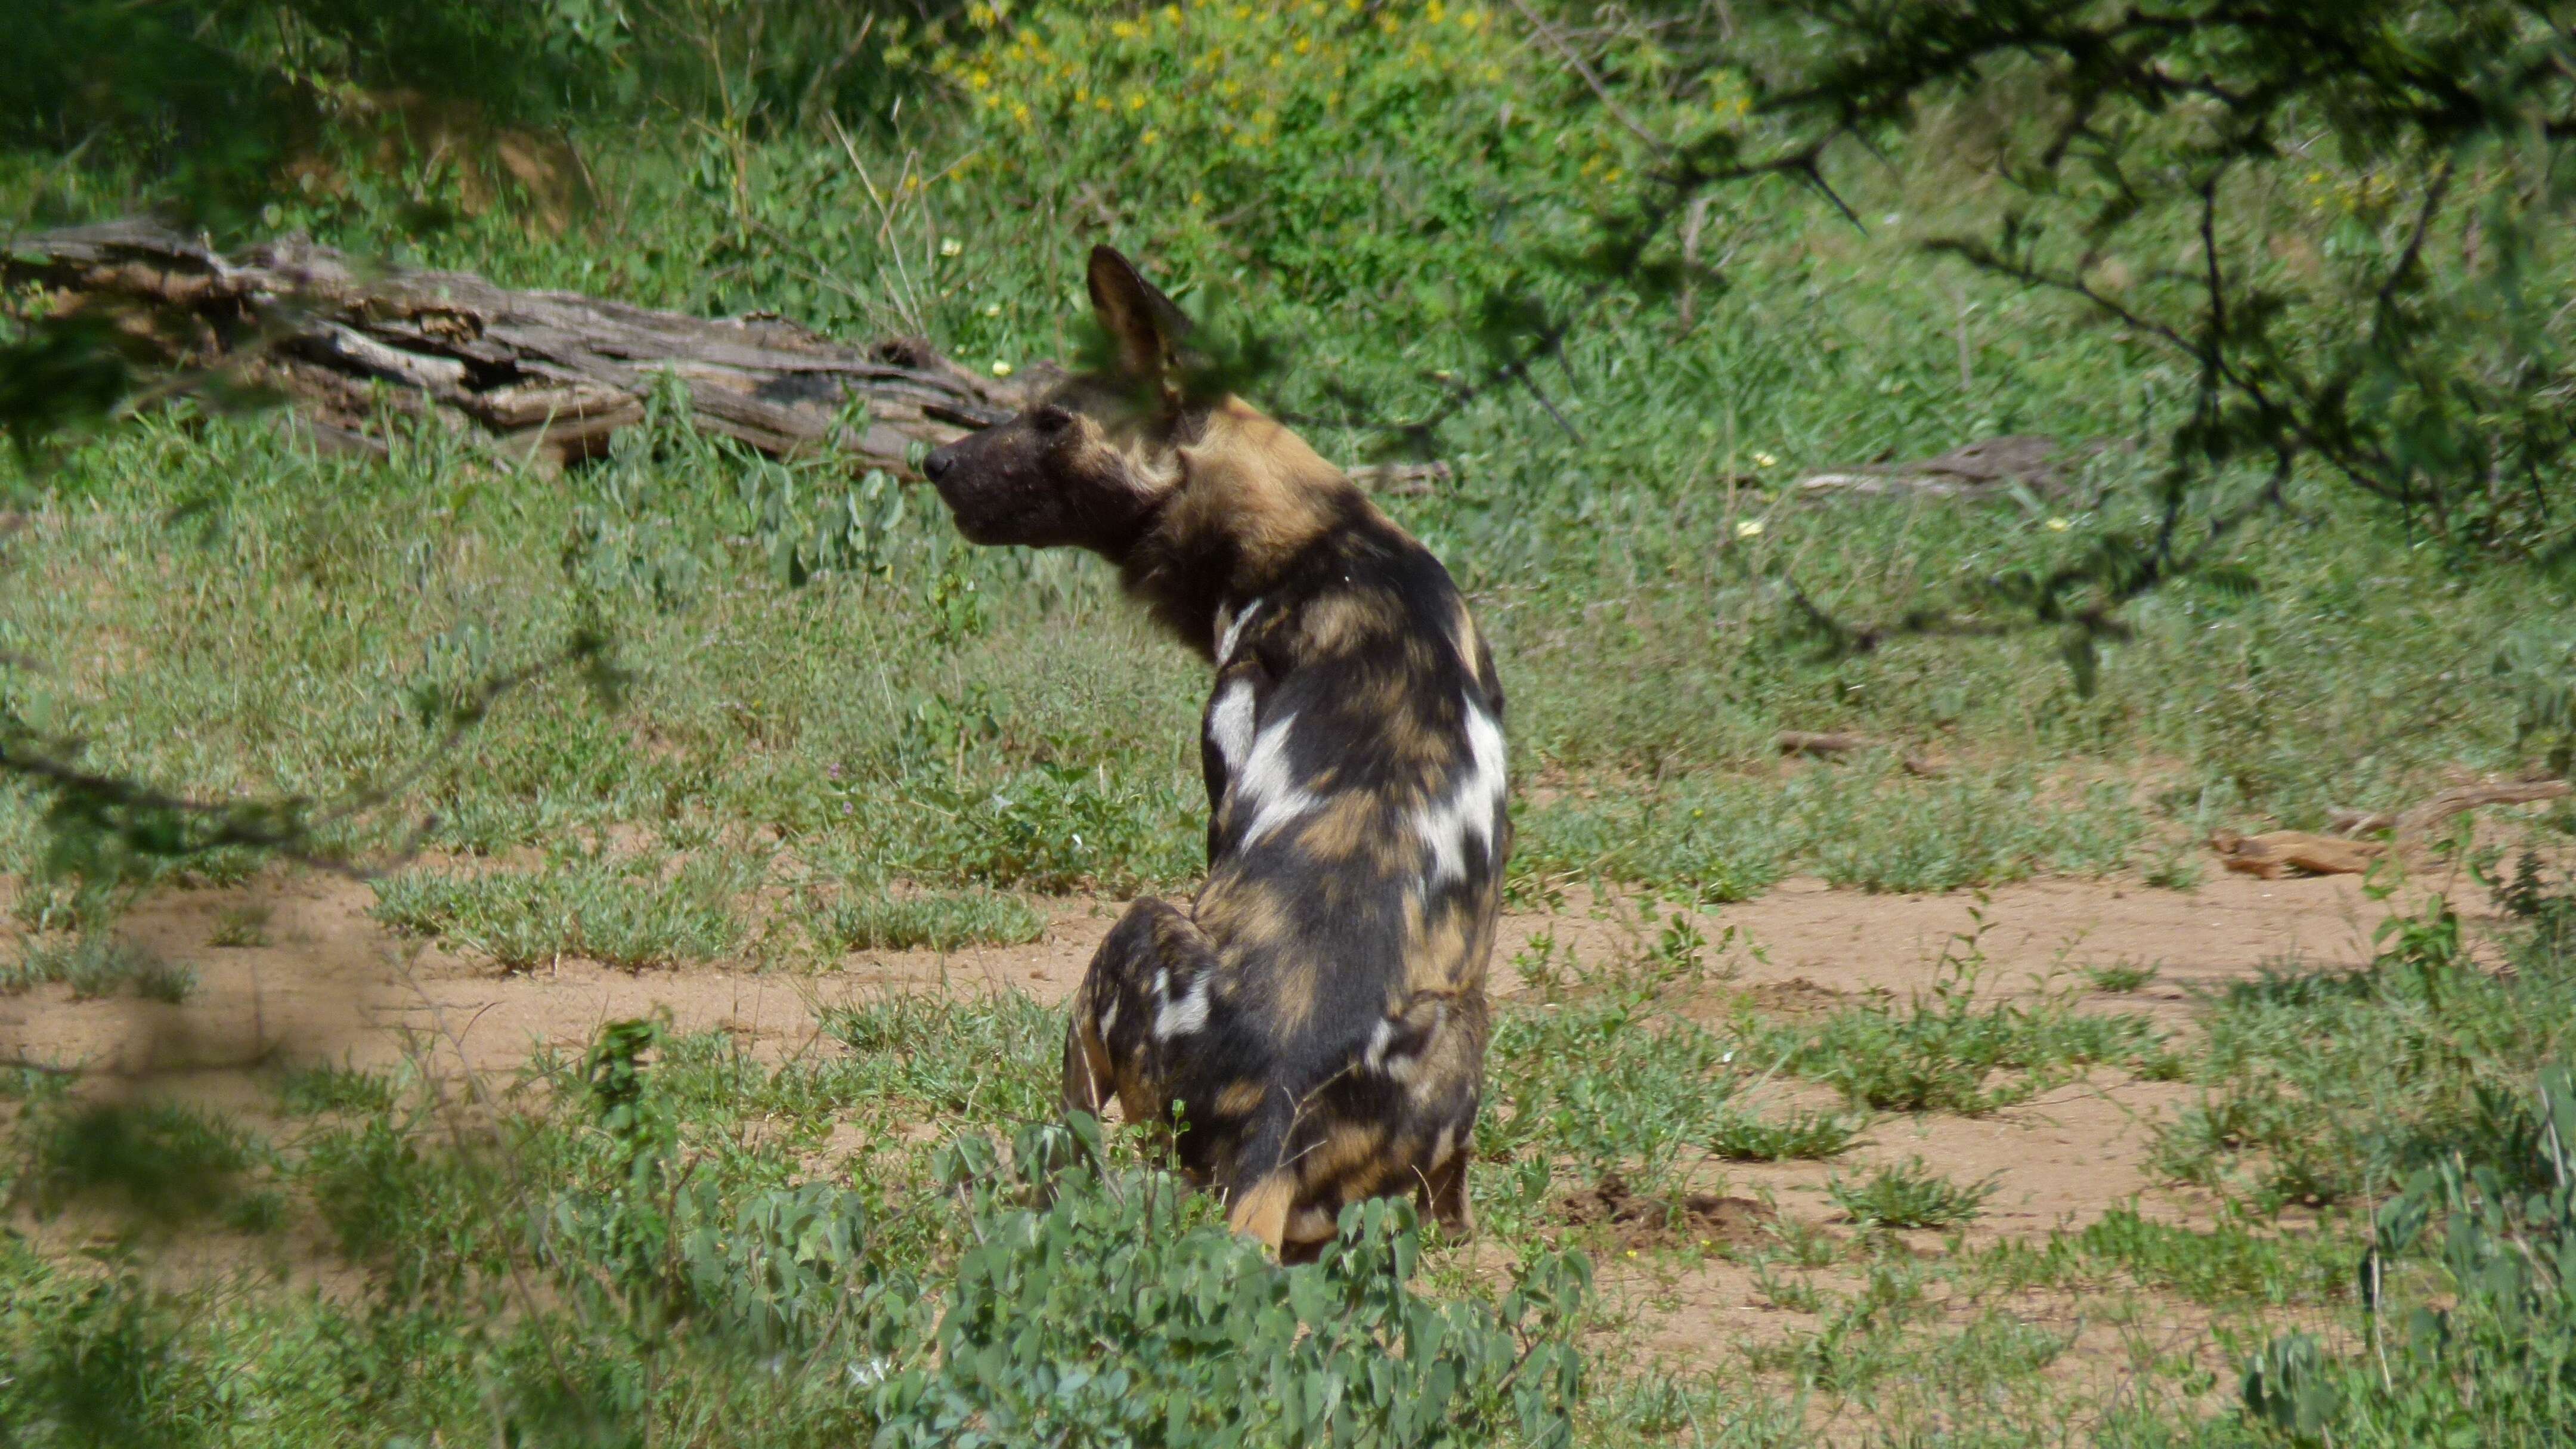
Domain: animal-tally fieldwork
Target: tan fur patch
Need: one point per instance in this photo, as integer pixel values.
(1262, 1212)
(1339, 622)
(1346, 1150)
(1250, 480)
(1240, 1099)
(1469, 647)
(1439, 963)
(1345, 829)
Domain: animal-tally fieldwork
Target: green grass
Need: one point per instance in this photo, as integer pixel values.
(906, 748)
(627, 915)
(96, 965)
(1951, 1050)
(941, 921)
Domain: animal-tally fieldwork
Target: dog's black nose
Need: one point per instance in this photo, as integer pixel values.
(936, 466)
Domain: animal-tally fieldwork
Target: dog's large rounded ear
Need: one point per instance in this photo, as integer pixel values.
(1145, 326)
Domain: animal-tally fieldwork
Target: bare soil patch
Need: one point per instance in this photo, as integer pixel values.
(1644, 1221)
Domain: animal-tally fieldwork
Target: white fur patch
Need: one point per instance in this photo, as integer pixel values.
(1380, 1054)
(1374, 1057)
(1445, 826)
(1265, 788)
(1443, 1145)
(1179, 1018)
(1108, 1019)
(1230, 631)
(1229, 725)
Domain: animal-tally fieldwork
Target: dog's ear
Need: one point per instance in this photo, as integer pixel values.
(1144, 326)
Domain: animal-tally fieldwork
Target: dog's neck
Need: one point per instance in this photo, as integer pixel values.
(1253, 497)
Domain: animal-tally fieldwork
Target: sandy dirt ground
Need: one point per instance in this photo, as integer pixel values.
(332, 985)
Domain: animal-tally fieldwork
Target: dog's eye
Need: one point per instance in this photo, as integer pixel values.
(1051, 419)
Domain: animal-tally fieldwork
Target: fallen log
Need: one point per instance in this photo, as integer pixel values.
(544, 377)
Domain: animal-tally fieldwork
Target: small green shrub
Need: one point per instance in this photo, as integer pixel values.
(160, 1161)
(2120, 977)
(1610, 1083)
(240, 926)
(1909, 1195)
(1743, 1137)
(311, 1091)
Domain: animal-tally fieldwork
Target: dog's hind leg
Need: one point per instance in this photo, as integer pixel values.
(1148, 986)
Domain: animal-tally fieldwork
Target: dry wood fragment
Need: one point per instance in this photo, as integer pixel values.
(2417, 823)
(1975, 470)
(1806, 742)
(547, 376)
(2283, 852)
(1403, 480)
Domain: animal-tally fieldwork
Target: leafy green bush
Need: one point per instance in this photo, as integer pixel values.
(2484, 1350)
(2321, 1087)
(1123, 1312)
(1394, 152)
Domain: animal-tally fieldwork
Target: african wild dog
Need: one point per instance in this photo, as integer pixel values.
(1317, 1016)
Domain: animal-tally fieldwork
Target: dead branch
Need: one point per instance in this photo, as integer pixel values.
(1977, 470)
(1805, 742)
(544, 376)
(2417, 823)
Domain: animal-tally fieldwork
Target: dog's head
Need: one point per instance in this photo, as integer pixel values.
(1089, 463)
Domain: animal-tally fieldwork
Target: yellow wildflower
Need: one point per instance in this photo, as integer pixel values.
(1001, 368)
(1749, 528)
(1150, 137)
(2058, 525)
